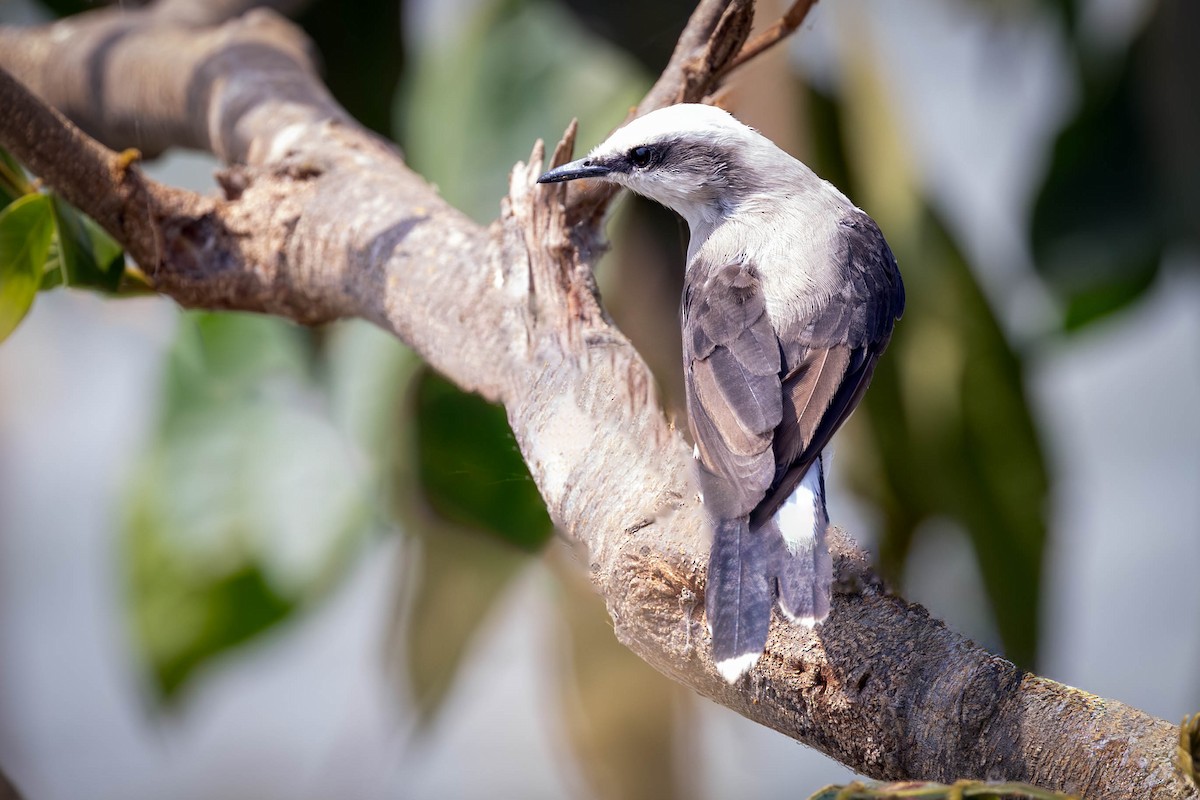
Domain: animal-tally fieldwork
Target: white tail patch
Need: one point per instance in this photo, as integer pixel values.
(802, 513)
(804, 570)
(732, 669)
(804, 620)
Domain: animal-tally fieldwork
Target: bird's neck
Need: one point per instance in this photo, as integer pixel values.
(702, 222)
(728, 225)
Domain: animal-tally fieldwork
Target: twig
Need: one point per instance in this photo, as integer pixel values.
(712, 45)
(782, 28)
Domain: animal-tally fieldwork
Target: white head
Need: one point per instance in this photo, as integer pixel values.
(695, 159)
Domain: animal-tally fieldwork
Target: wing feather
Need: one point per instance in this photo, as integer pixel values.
(830, 355)
(765, 397)
(732, 370)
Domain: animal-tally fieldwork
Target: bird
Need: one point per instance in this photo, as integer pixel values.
(790, 297)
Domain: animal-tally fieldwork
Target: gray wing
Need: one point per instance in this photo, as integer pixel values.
(829, 355)
(762, 406)
(732, 370)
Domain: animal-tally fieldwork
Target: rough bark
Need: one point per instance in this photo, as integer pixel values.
(321, 220)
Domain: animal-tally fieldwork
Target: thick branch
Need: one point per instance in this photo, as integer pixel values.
(115, 192)
(321, 219)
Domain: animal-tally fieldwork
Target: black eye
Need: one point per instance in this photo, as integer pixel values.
(642, 156)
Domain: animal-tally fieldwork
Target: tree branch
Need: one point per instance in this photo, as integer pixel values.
(782, 28)
(321, 219)
(115, 192)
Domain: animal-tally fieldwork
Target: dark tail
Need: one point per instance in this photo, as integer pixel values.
(740, 594)
(748, 570)
(801, 562)
(804, 574)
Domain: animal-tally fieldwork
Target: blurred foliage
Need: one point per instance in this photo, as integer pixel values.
(275, 452)
(1096, 229)
(278, 450)
(470, 468)
(184, 615)
(627, 724)
(247, 500)
(26, 231)
(476, 104)
(453, 582)
(361, 47)
(1124, 180)
(647, 31)
(464, 499)
(45, 243)
(962, 790)
(469, 108)
(453, 576)
(949, 430)
(954, 435)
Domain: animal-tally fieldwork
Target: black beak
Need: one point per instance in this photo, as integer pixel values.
(583, 168)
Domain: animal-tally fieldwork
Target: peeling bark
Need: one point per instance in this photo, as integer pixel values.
(322, 220)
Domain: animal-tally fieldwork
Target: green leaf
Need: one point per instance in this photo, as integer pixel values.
(87, 255)
(454, 577)
(469, 466)
(81, 253)
(369, 375)
(13, 183)
(183, 616)
(232, 359)
(1098, 229)
(1087, 304)
(1003, 485)
(26, 230)
(248, 501)
(1123, 187)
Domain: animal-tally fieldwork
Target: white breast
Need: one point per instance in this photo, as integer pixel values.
(792, 244)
